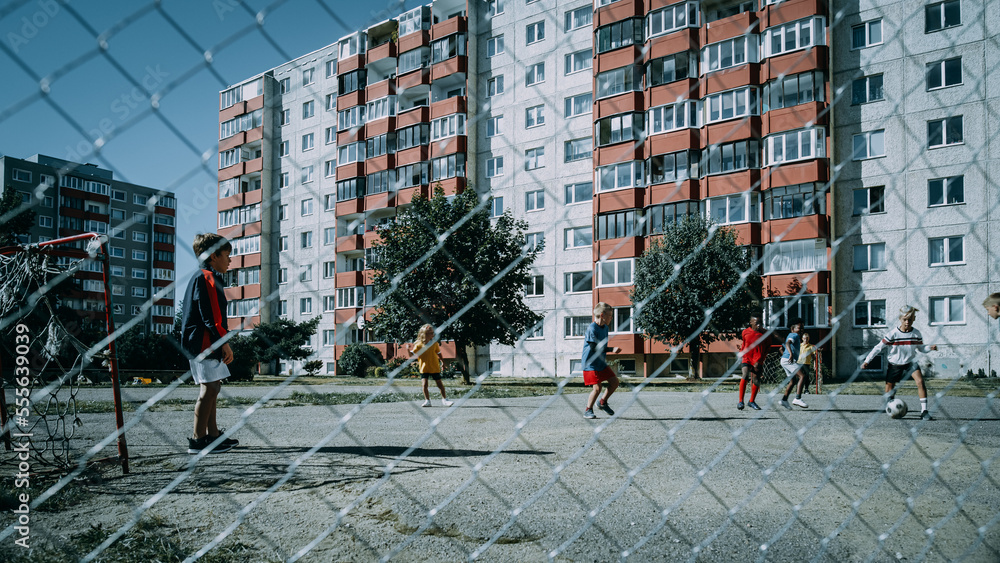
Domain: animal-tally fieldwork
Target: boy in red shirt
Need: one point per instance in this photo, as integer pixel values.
(750, 352)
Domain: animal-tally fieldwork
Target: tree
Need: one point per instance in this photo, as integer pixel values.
(18, 224)
(283, 339)
(709, 298)
(357, 358)
(446, 263)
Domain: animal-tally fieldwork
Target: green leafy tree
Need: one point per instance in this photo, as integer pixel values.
(283, 339)
(244, 357)
(357, 358)
(446, 263)
(17, 225)
(312, 367)
(709, 298)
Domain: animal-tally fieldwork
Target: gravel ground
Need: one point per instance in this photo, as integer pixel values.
(673, 477)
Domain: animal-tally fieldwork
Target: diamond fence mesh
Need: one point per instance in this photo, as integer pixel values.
(350, 469)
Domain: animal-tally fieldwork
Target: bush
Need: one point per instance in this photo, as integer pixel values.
(244, 358)
(357, 358)
(408, 371)
(312, 367)
(451, 371)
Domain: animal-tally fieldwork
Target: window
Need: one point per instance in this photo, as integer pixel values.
(48, 201)
(730, 105)
(494, 167)
(350, 189)
(579, 104)
(579, 237)
(671, 18)
(615, 272)
(946, 251)
(308, 109)
(580, 17)
(139, 199)
(793, 90)
(350, 152)
(942, 15)
(534, 241)
(117, 290)
(283, 148)
(118, 195)
(786, 202)
(139, 273)
(283, 212)
(306, 239)
(870, 144)
(305, 273)
(534, 158)
(617, 225)
(282, 275)
(350, 118)
(738, 208)
(139, 255)
(619, 128)
(947, 310)
(139, 292)
(944, 132)
(619, 34)
(377, 183)
(579, 282)
(730, 53)
(307, 174)
(493, 126)
(801, 34)
(448, 47)
(534, 74)
(946, 191)
(869, 200)
(350, 297)
(117, 252)
(578, 149)
(619, 176)
(579, 61)
(496, 207)
(534, 32)
(307, 142)
(450, 166)
(118, 271)
(380, 108)
(45, 221)
(534, 200)
(305, 306)
(671, 68)
(535, 286)
(795, 256)
(673, 167)
(330, 169)
(307, 76)
(618, 81)
(494, 47)
(868, 257)
(942, 74)
(286, 117)
(534, 116)
(448, 126)
(660, 217)
(730, 157)
(536, 332)
(789, 146)
(495, 8)
(621, 320)
(306, 207)
(867, 89)
(812, 309)
(582, 192)
(21, 175)
(866, 34)
(576, 327)
(352, 81)
(494, 86)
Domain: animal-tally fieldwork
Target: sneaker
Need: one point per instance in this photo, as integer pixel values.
(233, 442)
(800, 403)
(739, 405)
(446, 402)
(604, 407)
(196, 445)
(753, 405)
(784, 403)
(589, 413)
(926, 415)
(427, 403)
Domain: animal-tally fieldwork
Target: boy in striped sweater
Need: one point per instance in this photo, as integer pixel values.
(903, 342)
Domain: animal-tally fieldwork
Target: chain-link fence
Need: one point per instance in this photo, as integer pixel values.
(851, 148)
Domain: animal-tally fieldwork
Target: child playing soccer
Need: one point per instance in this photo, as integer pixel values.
(750, 350)
(790, 363)
(429, 363)
(992, 304)
(204, 324)
(595, 365)
(904, 342)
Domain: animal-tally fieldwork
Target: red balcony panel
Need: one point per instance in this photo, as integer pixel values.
(232, 171)
(617, 11)
(350, 279)
(235, 262)
(676, 42)
(672, 93)
(732, 130)
(622, 152)
(817, 170)
(795, 117)
(628, 101)
(629, 343)
(791, 10)
(251, 291)
(345, 316)
(671, 192)
(457, 24)
(371, 237)
(381, 89)
(732, 183)
(369, 277)
(255, 134)
(166, 247)
(619, 248)
(380, 201)
(815, 282)
(164, 210)
(454, 65)
(795, 62)
(452, 186)
(747, 233)
(455, 104)
(405, 196)
(254, 104)
(254, 165)
(614, 296)
(620, 199)
(230, 202)
(239, 108)
(412, 156)
(251, 260)
(380, 127)
(385, 50)
(414, 40)
(352, 135)
(352, 170)
(233, 142)
(253, 197)
(413, 116)
(101, 217)
(350, 63)
(236, 231)
(797, 228)
(730, 78)
(728, 28)
(351, 99)
(350, 242)
(252, 229)
(380, 163)
(158, 284)
(674, 141)
(233, 293)
(451, 145)
(618, 58)
(421, 76)
(350, 207)
(163, 229)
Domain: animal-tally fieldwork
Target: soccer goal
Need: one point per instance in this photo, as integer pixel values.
(57, 332)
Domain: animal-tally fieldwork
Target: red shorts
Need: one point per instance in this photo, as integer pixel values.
(595, 377)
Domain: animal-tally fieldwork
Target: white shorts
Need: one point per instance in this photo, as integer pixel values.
(207, 371)
(790, 367)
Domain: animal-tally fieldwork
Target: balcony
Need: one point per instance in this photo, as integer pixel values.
(730, 27)
(388, 49)
(448, 106)
(671, 192)
(350, 279)
(350, 207)
(449, 145)
(350, 242)
(456, 65)
(797, 228)
(816, 170)
(617, 200)
(450, 26)
(628, 247)
(406, 196)
(418, 77)
(617, 11)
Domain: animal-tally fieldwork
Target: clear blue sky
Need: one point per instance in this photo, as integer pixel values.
(151, 52)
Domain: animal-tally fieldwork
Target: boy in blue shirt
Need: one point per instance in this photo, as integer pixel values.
(595, 365)
(790, 363)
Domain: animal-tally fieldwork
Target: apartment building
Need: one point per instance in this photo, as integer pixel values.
(71, 198)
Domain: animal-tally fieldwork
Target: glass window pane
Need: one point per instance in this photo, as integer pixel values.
(938, 312)
(861, 314)
(957, 310)
(955, 249)
(878, 143)
(956, 189)
(878, 312)
(860, 257)
(878, 256)
(936, 250)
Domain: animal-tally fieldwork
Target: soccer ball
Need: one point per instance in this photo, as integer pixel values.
(896, 408)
